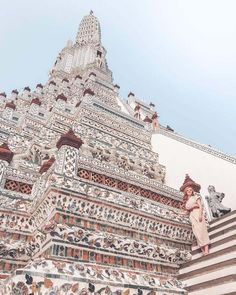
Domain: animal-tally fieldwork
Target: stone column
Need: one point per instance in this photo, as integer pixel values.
(68, 146)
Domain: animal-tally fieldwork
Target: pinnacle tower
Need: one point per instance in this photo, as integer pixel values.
(87, 51)
(89, 30)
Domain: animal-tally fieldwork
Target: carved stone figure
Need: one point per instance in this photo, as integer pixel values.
(215, 202)
(26, 155)
(98, 61)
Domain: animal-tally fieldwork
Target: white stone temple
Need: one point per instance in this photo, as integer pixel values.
(89, 189)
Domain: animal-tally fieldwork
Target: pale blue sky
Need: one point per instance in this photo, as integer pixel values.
(181, 55)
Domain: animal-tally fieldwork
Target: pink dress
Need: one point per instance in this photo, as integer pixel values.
(199, 228)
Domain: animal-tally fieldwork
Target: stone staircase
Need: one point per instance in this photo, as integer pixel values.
(214, 274)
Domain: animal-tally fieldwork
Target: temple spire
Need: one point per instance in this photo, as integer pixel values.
(86, 55)
(89, 30)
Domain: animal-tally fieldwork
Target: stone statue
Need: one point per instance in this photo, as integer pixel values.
(215, 202)
(98, 61)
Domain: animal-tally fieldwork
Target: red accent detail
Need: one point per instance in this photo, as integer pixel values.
(62, 97)
(88, 91)
(137, 107)
(128, 187)
(3, 94)
(188, 182)
(46, 165)
(36, 101)
(21, 187)
(5, 153)
(15, 91)
(154, 116)
(69, 139)
(147, 120)
(10, 105)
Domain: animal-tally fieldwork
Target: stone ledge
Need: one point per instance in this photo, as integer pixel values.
(205, 263)
(222, 218)
(223, 231)
(230, 231)
(215, 244)
(207, 269)
(211, 255)
(215, 282)
(227, 222)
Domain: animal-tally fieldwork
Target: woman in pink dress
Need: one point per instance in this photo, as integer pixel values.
(192, 203)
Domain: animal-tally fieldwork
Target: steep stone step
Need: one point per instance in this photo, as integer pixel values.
(221, 232)
(225, 285)
(214, 274)
(220, 226)
(226, 252)
(217, 242)
(214, 228)
(205, 280)
(221, 235)
(207, 269)
(223, 218)
(208, 261)
(216, 246)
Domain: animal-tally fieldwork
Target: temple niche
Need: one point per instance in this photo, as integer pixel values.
(85, 201)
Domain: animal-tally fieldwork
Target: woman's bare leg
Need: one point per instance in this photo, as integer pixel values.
(206, 250)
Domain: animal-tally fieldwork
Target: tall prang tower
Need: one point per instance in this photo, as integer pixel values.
(84, 56)
(84, 208)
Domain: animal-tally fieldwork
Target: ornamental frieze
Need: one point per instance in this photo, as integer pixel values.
(99, 137)
(117, 157)
(108, 242)
(103, 241)
(79, 278)
(9, 221)
(116, 216)
(173, 197)
(93, 118)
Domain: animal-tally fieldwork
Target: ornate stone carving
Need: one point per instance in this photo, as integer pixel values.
(102, 201)
(128, 186)
(69, 139)
(92, 280)
(116, 244)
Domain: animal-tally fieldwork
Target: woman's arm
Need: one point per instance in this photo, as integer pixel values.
(200, 209)
(195, 207)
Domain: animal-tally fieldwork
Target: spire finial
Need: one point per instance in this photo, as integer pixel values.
(89, 30)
